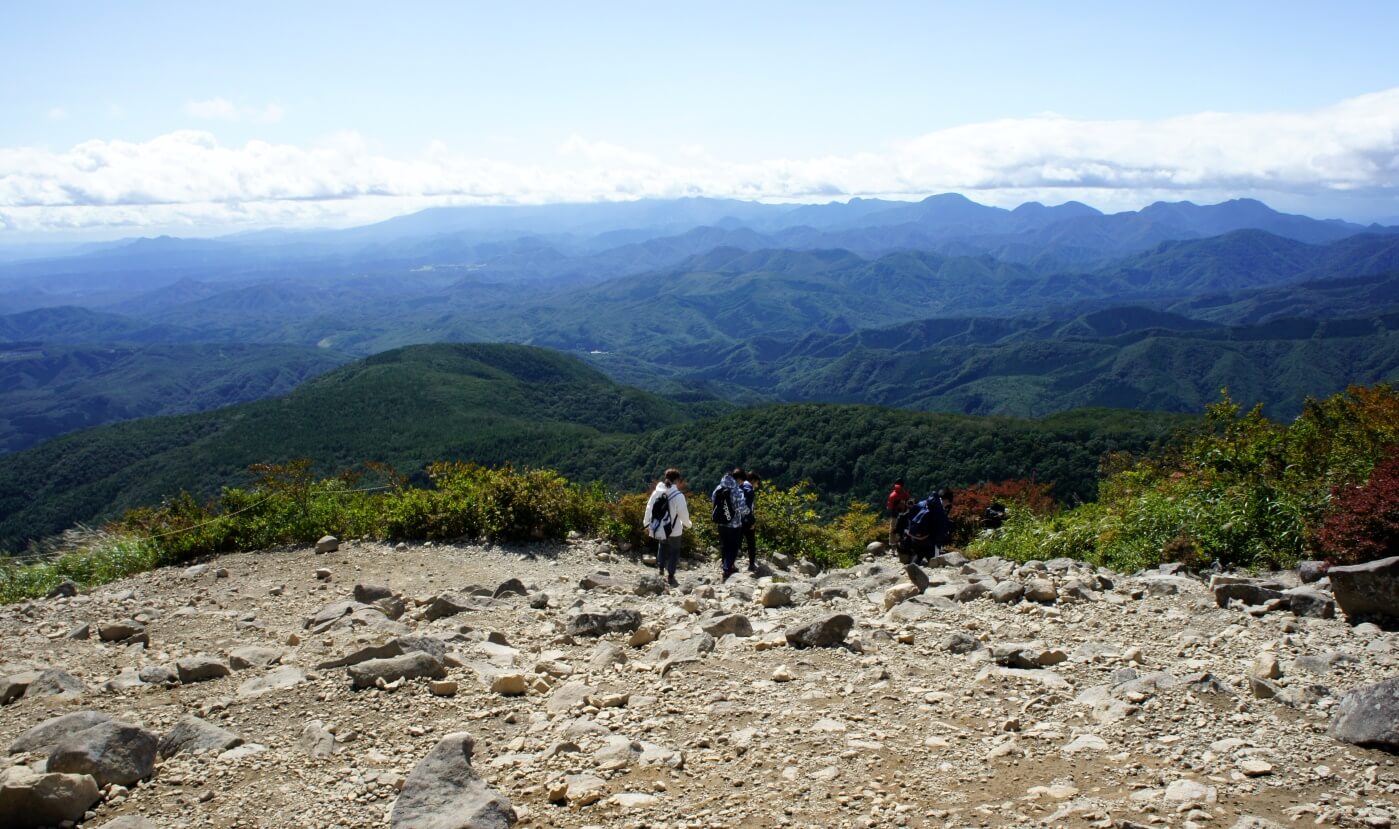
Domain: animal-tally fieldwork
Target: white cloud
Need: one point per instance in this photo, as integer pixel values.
(214, 109)
(270, 114)
(1345, 154)
(222, 109)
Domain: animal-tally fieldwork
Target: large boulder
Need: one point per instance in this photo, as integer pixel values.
(42, 737)
(414, 665)
(1370, 589)
(112, 752)
(776, 595)
(822, 633)
(621, 620)
(29, 799)
(728, 623)
(192, 735)
(1369, 716)
(55, 682)
(1249, 593)
(443, 791)
(201, 668)
(669, 653)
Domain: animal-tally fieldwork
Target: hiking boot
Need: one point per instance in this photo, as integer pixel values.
(672, 582)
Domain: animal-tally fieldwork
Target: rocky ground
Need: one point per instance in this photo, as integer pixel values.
(999, 695)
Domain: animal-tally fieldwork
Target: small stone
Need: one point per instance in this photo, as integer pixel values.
(327, 544)
(510, 685)
(442, 687)
(1256, 768)
(322, 574)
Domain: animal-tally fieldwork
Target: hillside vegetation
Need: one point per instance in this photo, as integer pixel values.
(494, 404)
(47, 390)
(1244, 493)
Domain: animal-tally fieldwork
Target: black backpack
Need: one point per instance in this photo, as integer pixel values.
(723, 512)
(660, 513)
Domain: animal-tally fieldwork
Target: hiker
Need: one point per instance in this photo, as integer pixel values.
(929, 529)
(897, 504)
(729, 509)
(667, 517)
(749, 488)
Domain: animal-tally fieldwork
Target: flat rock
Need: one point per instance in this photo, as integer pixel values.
(670, 653)
(254, 656)
(316, 740)
(54, 682)
(414, 665)
(620, 620)
(728, 624)
(112, 752)
(822, 633)
(29, 800)
(287, 676)
(201, 668)
(121, 631)
(192, 735)
(568, 696)
(443, 791)
(41, 738)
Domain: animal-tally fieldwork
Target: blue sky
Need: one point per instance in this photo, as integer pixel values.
(196, 116)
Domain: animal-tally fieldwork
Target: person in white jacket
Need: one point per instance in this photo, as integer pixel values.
(666, 519)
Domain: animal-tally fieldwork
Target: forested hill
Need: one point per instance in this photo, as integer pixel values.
(500, 403)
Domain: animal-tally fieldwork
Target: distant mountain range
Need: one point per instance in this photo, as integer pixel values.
(700, 304)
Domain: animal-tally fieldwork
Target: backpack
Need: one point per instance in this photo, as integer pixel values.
(921, 522)
(660, 516)
(723, 513)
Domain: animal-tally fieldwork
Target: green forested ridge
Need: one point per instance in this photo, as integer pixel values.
(48, 390)
(496, 404)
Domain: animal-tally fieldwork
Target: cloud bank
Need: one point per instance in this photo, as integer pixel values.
(1347, 153)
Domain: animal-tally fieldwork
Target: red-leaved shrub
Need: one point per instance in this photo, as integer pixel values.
(969, 505)
(1363, 523)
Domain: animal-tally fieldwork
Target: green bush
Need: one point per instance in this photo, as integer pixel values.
(1246, 492)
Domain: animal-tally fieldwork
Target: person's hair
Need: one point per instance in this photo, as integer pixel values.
(672, 475)
(753, 477)
(945, 494)
(898, 482)
(738, 472)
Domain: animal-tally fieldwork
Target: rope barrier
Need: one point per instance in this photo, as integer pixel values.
(23, 557)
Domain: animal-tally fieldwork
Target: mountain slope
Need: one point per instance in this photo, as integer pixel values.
(487, 403)
(48, 390)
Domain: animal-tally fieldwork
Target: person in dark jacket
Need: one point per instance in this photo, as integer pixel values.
(749, 488)
(930, 529)
(729, 509)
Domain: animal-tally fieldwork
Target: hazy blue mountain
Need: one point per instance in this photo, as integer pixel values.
(67, 324)
(50, 389)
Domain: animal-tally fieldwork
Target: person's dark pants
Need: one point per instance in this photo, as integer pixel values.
(730, 538)
(668, 555)
(922, 549)
(750, 538)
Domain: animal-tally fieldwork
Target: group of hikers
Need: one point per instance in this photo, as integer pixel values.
(918, 530)
(667, 517)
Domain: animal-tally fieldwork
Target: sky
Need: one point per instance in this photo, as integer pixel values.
(136, 118)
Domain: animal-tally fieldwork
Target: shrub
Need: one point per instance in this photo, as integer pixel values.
(1245, 492)
(1363, 524)
(970, 505)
